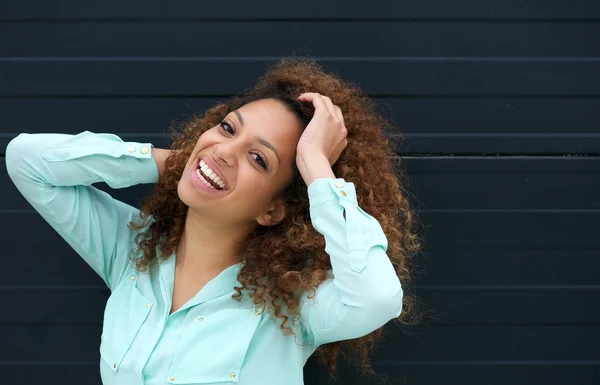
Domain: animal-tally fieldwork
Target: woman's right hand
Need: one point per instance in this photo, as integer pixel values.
(160, 155)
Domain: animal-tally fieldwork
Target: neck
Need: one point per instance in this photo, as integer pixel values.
(208, 245)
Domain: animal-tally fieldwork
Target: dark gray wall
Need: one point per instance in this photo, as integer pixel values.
(499, 104)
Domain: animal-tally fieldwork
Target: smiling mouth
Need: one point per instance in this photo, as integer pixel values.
(208, 177)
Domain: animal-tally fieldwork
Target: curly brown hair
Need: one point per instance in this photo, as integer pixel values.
(284, 260)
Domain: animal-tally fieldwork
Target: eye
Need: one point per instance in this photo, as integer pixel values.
(227, 128)
(259, 159)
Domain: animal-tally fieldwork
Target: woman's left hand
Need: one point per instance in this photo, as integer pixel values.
(323, 140)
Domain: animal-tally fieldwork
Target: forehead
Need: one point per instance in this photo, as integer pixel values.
(271, 120)
(268, 112)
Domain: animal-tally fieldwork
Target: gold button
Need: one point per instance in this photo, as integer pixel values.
(172, 378)
(115, 365)
(133, 277)
(131, 149)
(148, 304)
(144, 150)
(232, 375)
(256, 313)
(342, 193)
(201, 319)
(339, 184)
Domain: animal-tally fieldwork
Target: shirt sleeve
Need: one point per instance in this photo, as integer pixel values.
(365, 291)
(54, 173)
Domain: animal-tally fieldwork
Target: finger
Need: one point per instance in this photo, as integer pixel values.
(330, 106)
(307, 95)
(340, 115)
(316, 99)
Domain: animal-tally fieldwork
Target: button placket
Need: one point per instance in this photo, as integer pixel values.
(354, 235)
(339, 185)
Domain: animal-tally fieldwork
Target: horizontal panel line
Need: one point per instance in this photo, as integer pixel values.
(491, 157)
(136, 59)
(491, 362)
(364, 19)
(425, 135)
(454, 155)
(497, 155)
(382, 362)
(419, 135)
(429, 321)
(557, 211)
(123, 97)
(432, 211)
(471, 248)
(502, 135)
(508, 287)
(48, 363)
(54, 324)
(419, 287)
(502, 157)
(375, 96)
(431, 324)
(53, 287)
(140, 134)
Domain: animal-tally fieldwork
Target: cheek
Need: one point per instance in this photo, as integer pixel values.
(205, 140)
(254, 186)
(209, 138)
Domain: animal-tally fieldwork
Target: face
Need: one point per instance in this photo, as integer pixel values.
(238, 168)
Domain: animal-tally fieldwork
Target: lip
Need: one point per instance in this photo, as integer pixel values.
(213, 166)
(200, 185)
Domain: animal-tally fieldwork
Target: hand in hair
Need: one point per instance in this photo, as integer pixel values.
(323, 140)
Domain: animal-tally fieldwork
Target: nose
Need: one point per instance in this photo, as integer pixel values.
(226, 153)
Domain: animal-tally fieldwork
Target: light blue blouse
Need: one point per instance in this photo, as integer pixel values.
(212, 339)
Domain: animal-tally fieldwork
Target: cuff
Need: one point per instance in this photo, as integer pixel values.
(145, 171)
(326, 190)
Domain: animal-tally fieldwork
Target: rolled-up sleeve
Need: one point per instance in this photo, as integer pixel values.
(364, 291)
(54, 172)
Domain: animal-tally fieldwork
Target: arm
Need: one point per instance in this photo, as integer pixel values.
(160, 156)
(365, 291)
(54, 173)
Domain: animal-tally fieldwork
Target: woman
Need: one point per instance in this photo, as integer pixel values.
(277, 228)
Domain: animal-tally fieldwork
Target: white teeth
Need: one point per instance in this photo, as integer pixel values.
(210, 174)
(214, 177)
(204, 180)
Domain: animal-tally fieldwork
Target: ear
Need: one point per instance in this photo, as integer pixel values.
(274, 214)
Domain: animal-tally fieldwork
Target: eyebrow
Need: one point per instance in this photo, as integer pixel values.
(260, 140)
(239, 116)
(269, 146)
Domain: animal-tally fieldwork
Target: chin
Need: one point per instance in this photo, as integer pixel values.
(191, 197)
(186, 193)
